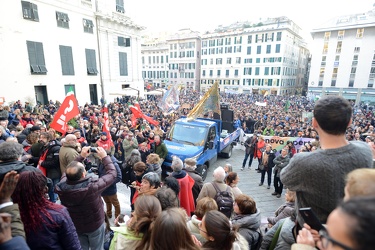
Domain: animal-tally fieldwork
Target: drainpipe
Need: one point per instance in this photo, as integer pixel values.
(99, 51)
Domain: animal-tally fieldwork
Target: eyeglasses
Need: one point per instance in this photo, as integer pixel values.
(199, 228)
(326, 239)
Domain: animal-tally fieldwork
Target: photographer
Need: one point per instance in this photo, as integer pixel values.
(80, 193)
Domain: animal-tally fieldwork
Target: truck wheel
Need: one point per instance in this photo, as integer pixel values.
(204, 172)
(229, 154)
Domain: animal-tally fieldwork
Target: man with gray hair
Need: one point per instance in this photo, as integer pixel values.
(10, 160)
(208, 189)
(186, 185)
(190, 166)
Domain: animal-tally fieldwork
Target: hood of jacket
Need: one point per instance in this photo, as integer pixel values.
(249, 221)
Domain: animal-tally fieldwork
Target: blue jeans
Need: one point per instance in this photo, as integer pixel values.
(51, 193)
(93, 240)
(246, 157)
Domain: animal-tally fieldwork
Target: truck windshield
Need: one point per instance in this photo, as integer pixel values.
(187, 134)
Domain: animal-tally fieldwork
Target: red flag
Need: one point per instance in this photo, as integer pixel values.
(105, 125)
(137, 113)
(66, 112)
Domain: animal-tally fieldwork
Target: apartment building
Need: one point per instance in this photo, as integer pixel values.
(50, 47)
(155, 65)
(267, 56)
(343, 61)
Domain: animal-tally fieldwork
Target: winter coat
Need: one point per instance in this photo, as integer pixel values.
(280, 163)
(208, 190)
(193, 227)
(16, 224)
(112, 189)
(129, 147)
(248, 226)
(250, 145)
(284, 211)
(286, 238)
(198, 183)
(124, 239)
(258, 152)
(186, 194)
(161, 150)
(64, 236)
(52, 161)
(82, 197)
(66, 155)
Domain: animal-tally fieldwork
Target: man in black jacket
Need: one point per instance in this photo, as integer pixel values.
(49, 160)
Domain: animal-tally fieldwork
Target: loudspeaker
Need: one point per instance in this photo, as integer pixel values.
(224, 106)
(227, 115)
(217, 116)
(228, 126)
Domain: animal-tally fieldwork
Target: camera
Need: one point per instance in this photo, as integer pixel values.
(93, 150)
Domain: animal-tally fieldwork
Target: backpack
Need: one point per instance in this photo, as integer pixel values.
(223, 200)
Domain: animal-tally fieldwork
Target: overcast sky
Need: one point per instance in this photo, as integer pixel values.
(203, 15)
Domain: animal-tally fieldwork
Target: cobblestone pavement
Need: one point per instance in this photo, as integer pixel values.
(249, 180)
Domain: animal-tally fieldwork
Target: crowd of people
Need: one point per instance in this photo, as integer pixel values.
(81, 167)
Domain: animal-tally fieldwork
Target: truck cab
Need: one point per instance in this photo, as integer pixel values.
(201, 139)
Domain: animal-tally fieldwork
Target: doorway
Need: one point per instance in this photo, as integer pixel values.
(93, 94)
(41, 94)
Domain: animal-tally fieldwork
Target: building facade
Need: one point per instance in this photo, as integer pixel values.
(343, 61)
(266, 57)
(51, 47)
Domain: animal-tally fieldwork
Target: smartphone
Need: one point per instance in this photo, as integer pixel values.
(310, 218)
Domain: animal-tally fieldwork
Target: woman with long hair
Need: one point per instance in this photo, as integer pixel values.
(232, 181)
(170, 231)
(136, 235)
(219, 233)
(47, 225)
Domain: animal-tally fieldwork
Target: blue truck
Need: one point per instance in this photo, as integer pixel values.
(202, 139)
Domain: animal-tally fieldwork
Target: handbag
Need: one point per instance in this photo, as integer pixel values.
(261, 167)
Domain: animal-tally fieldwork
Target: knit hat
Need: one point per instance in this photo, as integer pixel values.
(34, 128)
(103, 133)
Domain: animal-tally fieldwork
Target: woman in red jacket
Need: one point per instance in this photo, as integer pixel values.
(259, 149)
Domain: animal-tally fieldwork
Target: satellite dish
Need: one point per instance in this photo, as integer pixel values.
(312, 83)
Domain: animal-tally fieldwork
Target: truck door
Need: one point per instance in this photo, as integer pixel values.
(212, 139)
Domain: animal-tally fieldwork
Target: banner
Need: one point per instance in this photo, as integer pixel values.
(209, 102)
(105, 125)
(67, 110)
(263, 104)
(279, 143)
(171, 100)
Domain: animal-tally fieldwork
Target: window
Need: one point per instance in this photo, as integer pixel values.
(266, 71)
(120, 6)
(229, 60)
(320, 84)
(327, 35)
(36, 58)
(161, 59)
(257, 71)
(30, 11)
(257, 60)
(123, 42)
(91, 62)
(278, 36)
(236, 72)
(123, 59)
(249, 50)
(211, 61)
(203, 72)
(338, 48)
(259, 49)
(88, 26)
(248, 60)
(211, 72)
(325, 48)
(238, 60)
(218, 72)
(340, 35)
(66, 56)
(268, 49)
(357, 49)
(351, 83)
(333, 83)
(219, 61)
(249, 38)
(277, 50)
(360, 32)
(227, 72)
(62, 20)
